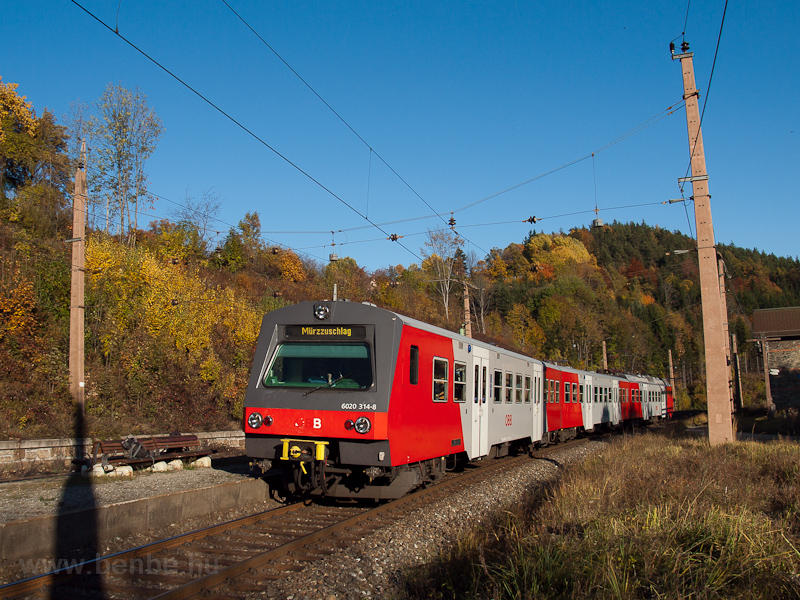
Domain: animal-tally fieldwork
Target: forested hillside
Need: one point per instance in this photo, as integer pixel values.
(171, 320)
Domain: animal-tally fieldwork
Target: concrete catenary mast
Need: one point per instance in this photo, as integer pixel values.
(718, 379)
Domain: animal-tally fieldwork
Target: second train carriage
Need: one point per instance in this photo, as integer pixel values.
(350, 400)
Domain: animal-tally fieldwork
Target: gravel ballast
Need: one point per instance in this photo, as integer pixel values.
(372, 568)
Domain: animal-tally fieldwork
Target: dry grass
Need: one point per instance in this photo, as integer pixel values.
(653, 517)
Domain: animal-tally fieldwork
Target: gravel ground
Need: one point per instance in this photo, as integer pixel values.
(372, 568)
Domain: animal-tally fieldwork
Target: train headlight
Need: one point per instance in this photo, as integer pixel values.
(321, 311)
(255, 420)
(363, 425)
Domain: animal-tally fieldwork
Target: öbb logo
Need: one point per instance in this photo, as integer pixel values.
(508, 420)
(300, 423)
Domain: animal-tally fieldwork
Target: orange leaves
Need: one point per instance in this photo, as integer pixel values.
(291, 267)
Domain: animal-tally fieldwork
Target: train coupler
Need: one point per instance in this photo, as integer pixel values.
(304, 450)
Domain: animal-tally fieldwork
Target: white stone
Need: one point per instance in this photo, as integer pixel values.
(124, 471)
(204, 462)
(175, 465)
(160, 467)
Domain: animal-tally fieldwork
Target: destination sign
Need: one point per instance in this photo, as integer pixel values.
(348, 332)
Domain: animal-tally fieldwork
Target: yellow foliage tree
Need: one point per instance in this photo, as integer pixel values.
(527, 333)
(16, 113)
(291, 267)
(169, 300)
(555, 254)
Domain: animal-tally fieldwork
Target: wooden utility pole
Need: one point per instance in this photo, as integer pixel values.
(767, 387)
(738, 396)
(467, 315)
(723, 299)
(76, 305)
(671, 373)
(720, 426)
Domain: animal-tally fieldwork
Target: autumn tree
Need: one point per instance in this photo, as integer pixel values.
(351, 281)
(34, 165)
(124, 135)
(481, 293)
(17, 127)
(441, 263)
(526, 332)
(200, 213)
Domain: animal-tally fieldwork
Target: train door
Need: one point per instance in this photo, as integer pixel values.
(616, 409)
(538, 409)
(586, 401)
(480, 414)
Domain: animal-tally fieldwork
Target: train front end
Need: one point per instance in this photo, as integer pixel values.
(317, 404)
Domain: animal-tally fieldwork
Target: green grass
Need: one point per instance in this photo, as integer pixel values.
(653, 517)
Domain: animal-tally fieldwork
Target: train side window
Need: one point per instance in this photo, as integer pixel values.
(518, 397)
(527, 389)
(575, 393)
(509, 386)
(567, 391)
(460, 382)
(498, 386)
(413, 365)
(440, 379)
(485, 385)
(558, 391)
(477, 386)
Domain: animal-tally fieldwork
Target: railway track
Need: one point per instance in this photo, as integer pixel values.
(238, 558)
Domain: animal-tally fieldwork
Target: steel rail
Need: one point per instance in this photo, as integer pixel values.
(32, 584)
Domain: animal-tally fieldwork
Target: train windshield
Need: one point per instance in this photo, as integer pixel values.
(309, 365)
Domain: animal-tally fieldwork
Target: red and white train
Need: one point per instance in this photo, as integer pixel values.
(353, 401)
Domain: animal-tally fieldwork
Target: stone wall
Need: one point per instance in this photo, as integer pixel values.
(784, 378)
(28, 454)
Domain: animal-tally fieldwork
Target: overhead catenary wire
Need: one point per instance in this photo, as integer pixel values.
(342, 119)
(636, 129)
(645, 124)
(239, 124)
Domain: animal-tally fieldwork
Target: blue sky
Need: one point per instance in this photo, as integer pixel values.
(462, 100)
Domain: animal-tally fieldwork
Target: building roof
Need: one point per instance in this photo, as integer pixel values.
(776, 322)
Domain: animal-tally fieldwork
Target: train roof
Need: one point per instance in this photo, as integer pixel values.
(368, 307)
(304, 308)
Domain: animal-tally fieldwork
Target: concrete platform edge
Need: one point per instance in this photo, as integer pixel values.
(42, 537)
